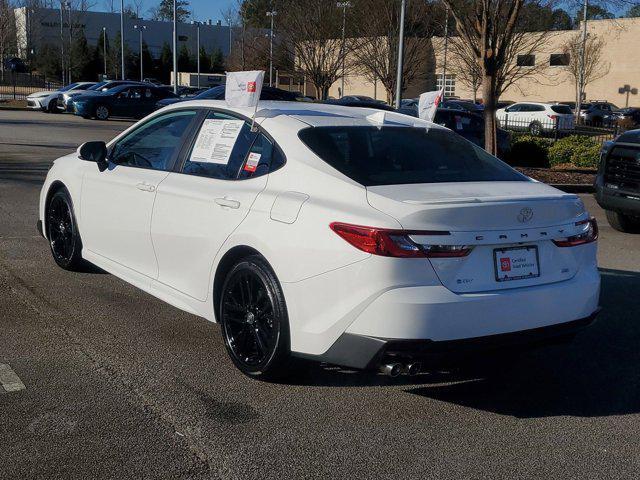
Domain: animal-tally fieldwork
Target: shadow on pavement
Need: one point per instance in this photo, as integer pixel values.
(596, 375)
(27, 172)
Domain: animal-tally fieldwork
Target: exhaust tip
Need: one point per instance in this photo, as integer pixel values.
(391, 369)
(413, 368)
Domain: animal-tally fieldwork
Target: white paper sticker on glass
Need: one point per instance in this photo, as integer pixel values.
(216, 140)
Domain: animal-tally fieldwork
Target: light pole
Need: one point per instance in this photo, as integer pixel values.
(122, 39)
(198, 50)
(229, 22)
(175, 47)
(446, 45)
(400, 55)
(271, 14)
(62, 41)
(582, 61)
(140, 29)
(104, 49)
(344, 6)
(68, 5)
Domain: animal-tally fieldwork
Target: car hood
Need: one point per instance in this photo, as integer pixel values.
(43, 93)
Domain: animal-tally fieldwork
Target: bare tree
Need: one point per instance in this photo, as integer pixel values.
(376, 47)
(7, 31)
(310, 32)
(595, 65)
(496, 33)
(464, 65)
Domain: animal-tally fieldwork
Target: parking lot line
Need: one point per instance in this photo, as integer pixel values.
(9, 380)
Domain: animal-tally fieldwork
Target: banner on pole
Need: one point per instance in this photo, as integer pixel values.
(243, 88)
(428, 104)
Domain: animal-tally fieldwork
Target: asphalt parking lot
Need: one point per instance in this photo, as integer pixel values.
(121, 385)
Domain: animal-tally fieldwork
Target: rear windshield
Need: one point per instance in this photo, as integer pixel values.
(402, 155)
(563, 109)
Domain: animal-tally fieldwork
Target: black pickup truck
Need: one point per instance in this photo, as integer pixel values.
(618, 182)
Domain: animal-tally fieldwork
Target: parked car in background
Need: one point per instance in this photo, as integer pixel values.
(350, 101)
(462, 106)
(131, 101)
(47, 100)
(65, 99)
(536, 118)
(355, 98)
(466, 124)
(618, 182)
(594, 113)
(217, 93)
(153, 81)
(627, 118)
(504, 104)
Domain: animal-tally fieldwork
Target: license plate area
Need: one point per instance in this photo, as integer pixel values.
(516, 263)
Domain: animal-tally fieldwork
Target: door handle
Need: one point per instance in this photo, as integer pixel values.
(145, 187)
(226, 202)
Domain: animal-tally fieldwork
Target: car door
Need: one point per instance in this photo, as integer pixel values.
(197, 208)
(116, 205)
(147, 102)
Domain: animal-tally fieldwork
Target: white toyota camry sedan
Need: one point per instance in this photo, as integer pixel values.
(360, 238)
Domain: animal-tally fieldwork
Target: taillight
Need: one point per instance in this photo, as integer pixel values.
(396, 243)
(552, 117)
(589, 235)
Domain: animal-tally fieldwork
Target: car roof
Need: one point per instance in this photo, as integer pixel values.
(314, 114)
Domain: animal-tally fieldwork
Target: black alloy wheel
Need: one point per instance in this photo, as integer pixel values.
(254, 319)
(62, 231)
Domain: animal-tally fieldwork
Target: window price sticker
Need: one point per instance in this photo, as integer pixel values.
(252, 162)
(216, 140)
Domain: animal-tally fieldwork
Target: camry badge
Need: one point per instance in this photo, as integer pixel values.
(525, 215)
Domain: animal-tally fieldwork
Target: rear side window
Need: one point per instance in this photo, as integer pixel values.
(263, 157)
(562, 109)
(402, 155)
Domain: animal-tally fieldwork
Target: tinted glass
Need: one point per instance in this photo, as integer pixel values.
(69, 87)
(223, 171)
(403, 155)
(263, 158)
(154, 144)
(562, 109)
(215, 93)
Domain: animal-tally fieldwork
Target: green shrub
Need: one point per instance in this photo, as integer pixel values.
(576, 150)
(528, 151)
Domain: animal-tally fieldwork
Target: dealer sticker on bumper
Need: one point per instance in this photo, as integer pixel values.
(516, 263)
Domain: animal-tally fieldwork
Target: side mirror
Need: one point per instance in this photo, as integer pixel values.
(94, 152)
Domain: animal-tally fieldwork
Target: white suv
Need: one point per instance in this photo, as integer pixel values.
(536, 118)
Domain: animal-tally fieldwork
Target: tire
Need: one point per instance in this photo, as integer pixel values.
(53, 106)
(62, 231)
(102, 112)
(623, 223)
(535, 129)
(254, 321)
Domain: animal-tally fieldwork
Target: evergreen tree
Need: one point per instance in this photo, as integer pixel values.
(48, 61)
(165, 64)
(147, 60)
(184, 59)
(217, 61)
(205, 61)
(82, 64)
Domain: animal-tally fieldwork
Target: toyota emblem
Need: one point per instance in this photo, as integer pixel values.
(525, 215)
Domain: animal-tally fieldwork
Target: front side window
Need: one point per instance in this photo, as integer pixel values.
(154, 144)
(220, 148)
(404, 155)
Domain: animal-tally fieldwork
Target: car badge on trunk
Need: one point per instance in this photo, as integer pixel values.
(525, 215)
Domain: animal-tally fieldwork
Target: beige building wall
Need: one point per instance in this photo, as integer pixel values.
(622, 37)
(622, 54)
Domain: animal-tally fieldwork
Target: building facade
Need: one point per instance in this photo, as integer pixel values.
(549, 80)
(40, 26)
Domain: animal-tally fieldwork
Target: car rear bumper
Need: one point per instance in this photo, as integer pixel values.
(428, 316)
(364, 352)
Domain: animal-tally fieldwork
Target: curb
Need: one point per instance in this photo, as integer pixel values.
(575, 187)
(24, 109)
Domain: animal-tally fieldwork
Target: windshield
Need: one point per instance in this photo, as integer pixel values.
(401, 155)
(212, 94)
(69, 87)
